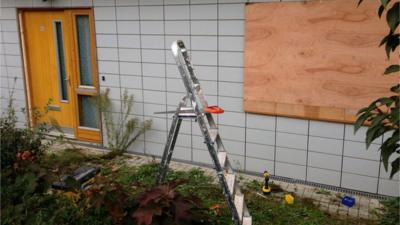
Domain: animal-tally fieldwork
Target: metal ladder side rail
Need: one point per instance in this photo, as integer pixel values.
(220, 171)
(188, 64)
(196, 90)
(186, 70)
(169, 146)
(232, 187)
(211, 121)
(192, 84)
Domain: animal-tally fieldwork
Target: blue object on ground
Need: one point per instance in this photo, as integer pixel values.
(348, 201)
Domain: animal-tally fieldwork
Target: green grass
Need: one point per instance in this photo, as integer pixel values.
(136, 179)
(323, 192)
(271, 209)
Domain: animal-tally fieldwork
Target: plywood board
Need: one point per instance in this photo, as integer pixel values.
(316, 60)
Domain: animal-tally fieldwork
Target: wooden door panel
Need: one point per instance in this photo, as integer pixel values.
(46, 55)
(40, 42)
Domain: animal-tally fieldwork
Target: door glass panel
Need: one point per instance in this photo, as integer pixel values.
(88, 113)
(62, 74)
(84, 50)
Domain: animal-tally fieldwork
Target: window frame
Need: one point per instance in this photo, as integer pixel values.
(59, 72)
(84, 132)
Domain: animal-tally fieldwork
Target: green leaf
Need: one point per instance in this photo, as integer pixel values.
(395, 89)
(393, 139)
(373, 133)
(360, 121)
(370, 135)
(385, 101)
(395, 115)
(362, 110)
(372, 106)
(29, 180)
(380, 10)
(384, 2)
(396, 99)
(384, 40)
(395, 167)
(392, 41)
(385, 154)
(378, 119)
(392, 16)
(392, 69)
(387, 50)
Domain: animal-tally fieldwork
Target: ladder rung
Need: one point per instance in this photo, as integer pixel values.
(230, 180)
(187, 114)
(187, 109)
(247, 220)
(213, 134)
(239, 201)
(222, 158)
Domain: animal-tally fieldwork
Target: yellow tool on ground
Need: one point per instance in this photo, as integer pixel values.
(289, 199)
(266, 189)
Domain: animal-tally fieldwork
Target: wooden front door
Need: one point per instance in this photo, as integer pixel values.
(61, 69)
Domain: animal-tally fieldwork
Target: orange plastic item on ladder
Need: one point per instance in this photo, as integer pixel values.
(214, 109)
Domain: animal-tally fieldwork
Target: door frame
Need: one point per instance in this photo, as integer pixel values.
(80, 133)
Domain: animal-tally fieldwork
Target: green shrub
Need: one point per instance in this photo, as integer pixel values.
(23, 181)
(14, 140)
(121, 133)
(23, 187)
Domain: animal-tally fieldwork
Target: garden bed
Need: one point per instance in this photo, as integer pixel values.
(117, 192)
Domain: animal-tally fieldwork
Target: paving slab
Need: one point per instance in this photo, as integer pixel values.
(353, 212)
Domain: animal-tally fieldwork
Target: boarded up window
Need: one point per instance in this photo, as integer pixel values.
(315, 60)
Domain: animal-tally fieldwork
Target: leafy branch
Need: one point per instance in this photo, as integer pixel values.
(382, 115)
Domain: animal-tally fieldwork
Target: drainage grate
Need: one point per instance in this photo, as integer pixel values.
(330, 187)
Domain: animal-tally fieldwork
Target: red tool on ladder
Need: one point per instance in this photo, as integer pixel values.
(213, 109)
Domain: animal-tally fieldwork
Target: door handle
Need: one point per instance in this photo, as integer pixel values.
(54, 108)
(67, 79)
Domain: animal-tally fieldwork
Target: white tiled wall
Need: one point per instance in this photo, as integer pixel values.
(133, 40)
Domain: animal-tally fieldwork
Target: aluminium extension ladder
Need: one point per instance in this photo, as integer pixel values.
(194, 106)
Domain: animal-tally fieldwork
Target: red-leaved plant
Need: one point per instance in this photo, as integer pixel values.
(108, 194)
(166, 206)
